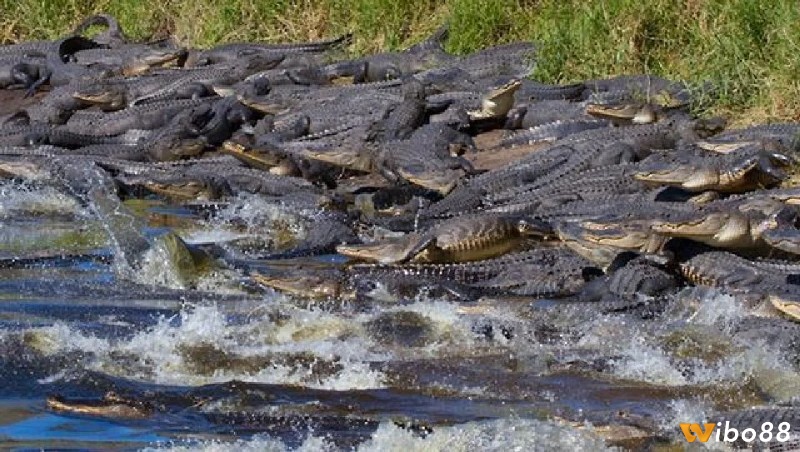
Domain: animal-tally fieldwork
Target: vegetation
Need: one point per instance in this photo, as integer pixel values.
(749, 49)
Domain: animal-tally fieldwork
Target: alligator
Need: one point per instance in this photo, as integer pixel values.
(464, 238)
(171, 142)
(603, 182)
(355, 138)
(130, 61)
(478, 106)
(111, 406)
(737, 224)
(112, 37)
(34, 64)
(265, 161)
(625, 112)
(642, 88)
(564, 158)
(38, 133)
(740, 171)
(545, 112)
(639, 277)
(215, 179)
(730, 271)
(562, 278)
(358, 280)
(143, 117)
(430, 158)
(233, 51)
(532, 91)
(22, 69)
(118, 92)
(274, 99)
(729, 140)
(391, 65)
(775, 281)
(602, 242)
(514, 60)
(340, 111)
(551, 131)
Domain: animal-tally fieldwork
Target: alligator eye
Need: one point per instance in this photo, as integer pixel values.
(391, 73)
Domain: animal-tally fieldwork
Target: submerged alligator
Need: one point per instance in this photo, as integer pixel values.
(608, 196)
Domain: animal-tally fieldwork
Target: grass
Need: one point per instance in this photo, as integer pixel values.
(749, 49)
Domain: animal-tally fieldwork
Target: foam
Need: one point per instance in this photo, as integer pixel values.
(495, 435)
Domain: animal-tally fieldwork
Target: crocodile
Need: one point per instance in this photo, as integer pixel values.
(460, 239)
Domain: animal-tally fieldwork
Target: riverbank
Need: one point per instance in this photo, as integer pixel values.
(748, 50)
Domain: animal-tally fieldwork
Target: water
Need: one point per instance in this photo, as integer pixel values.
(208, 364)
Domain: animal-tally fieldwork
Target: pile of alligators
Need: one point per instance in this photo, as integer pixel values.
(456, 175)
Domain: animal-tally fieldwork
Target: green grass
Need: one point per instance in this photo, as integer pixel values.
(749, 49)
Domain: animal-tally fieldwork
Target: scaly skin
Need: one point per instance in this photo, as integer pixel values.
(460, 239)
(738, 172)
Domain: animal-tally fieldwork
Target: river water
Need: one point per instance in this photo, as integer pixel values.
(224, 365)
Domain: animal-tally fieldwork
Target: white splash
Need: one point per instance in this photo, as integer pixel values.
(497, 435)
(23, 199)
